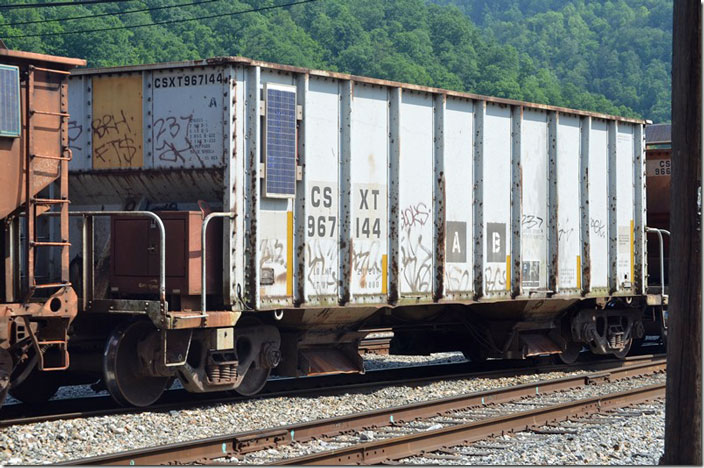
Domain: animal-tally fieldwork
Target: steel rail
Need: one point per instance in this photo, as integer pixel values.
(374, 346)
(12, 415)
(251, 441)
(414, 444)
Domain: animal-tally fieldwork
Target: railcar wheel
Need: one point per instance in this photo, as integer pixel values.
(571, 353)
(38, 387)
(255, 378)
(476, 354)
(5, 373)
(624, 352)
(124, 371)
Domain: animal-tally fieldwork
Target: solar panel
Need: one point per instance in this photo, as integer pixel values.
(9, 101)
(280, 142)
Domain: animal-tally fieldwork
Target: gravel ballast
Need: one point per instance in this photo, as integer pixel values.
(55, 441)
(628, 436)
(592, 444)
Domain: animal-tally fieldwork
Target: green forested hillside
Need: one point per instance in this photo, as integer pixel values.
(621, 49)
(612, 59)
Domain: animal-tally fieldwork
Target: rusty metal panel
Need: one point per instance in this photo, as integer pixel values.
(252, 187)
(238, 172)
(135, 254)
(117, 122)
(46, 131)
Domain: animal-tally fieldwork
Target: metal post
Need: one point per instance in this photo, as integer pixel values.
(88, 261)
(203, 286)
(162, 240)
(683, 405)
(660, 232)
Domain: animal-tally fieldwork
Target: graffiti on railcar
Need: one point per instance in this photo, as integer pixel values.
(321, 265)
(598, 227)
(114, 139)
(496, 255)
(188, 126)
(457, 279)
(366, 265)
(416, 253)
(321, 229)
(75, 130)
(368, 231)
(117, 122)
(173, 139)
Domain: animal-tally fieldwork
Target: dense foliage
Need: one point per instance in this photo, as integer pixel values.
(621, 49)
(609, 56)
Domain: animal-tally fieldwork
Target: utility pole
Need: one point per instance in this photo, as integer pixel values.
(683, 408)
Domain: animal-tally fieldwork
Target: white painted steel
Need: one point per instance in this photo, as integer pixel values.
(496, 198)
(598, 206)
(568, 201)
(534, 216)
(625, 209)
(369, 161)
(404, 196)
(187, 130)
(416, 196)
(79, 125)
(321, 228)
(459, 173)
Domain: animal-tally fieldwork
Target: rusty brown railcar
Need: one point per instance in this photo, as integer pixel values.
(34, 156)
(658, 153)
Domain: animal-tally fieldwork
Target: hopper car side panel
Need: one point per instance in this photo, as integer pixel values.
(494, 227)
(569, 234)
(384, 173)
(459, 156)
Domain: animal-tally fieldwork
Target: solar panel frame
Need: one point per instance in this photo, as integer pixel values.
(280, 141)
(10, 107)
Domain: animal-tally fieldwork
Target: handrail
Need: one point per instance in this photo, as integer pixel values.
(162, 240)
(660, 232)
(202, 255)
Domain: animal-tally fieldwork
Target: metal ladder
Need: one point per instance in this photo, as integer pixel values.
(36, 206)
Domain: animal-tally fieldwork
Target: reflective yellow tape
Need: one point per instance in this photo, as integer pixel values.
(508, 272)
(289, 253)
(579, 272)
(632, 256)
(384, 273)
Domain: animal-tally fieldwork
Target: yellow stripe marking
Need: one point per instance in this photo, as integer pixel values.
(508, 272)
(289, 253)
(632, 255)
(579, 272)
(384, 273)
